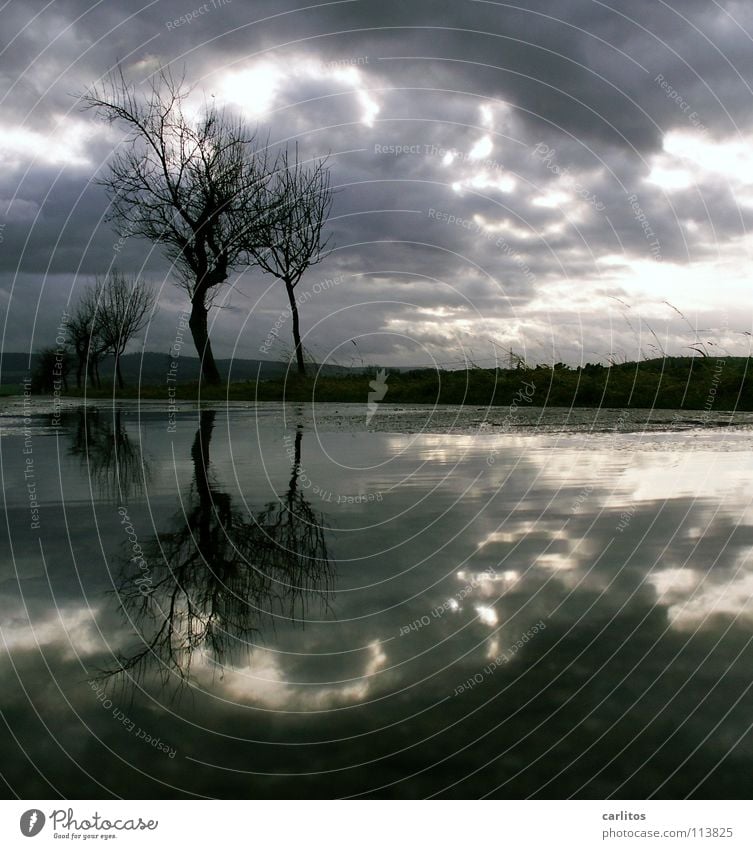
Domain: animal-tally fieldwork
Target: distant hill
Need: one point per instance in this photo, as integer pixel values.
(709, 384)
(151, 368)
(690, 383)
(687, 383)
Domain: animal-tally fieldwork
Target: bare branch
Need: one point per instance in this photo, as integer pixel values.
(197, 187)
(293, 237)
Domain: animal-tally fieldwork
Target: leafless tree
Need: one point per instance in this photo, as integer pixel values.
(124, 306)
(199, 188)
(83, 338)
(293, 239)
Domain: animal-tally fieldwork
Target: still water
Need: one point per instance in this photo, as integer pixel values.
(271, 601)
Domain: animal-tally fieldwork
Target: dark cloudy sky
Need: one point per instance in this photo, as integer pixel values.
(573, 179)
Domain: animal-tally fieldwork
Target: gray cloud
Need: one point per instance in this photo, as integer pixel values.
(578, 78)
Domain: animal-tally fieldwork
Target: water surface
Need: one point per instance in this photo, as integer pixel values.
(280, 601)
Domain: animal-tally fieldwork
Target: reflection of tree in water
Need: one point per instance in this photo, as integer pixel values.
(113, 461)
(212, 581)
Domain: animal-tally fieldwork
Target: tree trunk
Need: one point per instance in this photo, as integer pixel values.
(199, 330)
(206, 541)
(200, 457)
(118, 372)
(296, 331)
(293, 485)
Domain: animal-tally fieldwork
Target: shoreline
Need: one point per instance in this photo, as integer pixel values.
(349, 417)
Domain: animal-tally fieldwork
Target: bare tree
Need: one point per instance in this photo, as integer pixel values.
(199, 188)
(123, 308)
(293, 238)
(107, 316)
(81, 331)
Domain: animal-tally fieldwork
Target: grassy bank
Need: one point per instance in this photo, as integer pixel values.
(693, 383)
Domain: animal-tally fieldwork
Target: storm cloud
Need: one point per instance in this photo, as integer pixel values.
(573, 180)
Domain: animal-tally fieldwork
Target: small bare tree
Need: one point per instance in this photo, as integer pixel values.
(83, 337)
(293, 238)
(107, 317)
(124, 307)
(199, 188)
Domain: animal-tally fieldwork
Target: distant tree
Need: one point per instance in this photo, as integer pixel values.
(293, 239)
(198, 188)
(107, 317)
(124, 307)
(83, 337)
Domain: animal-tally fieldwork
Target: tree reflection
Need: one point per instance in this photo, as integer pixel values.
(208, 586)
(113, 460)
